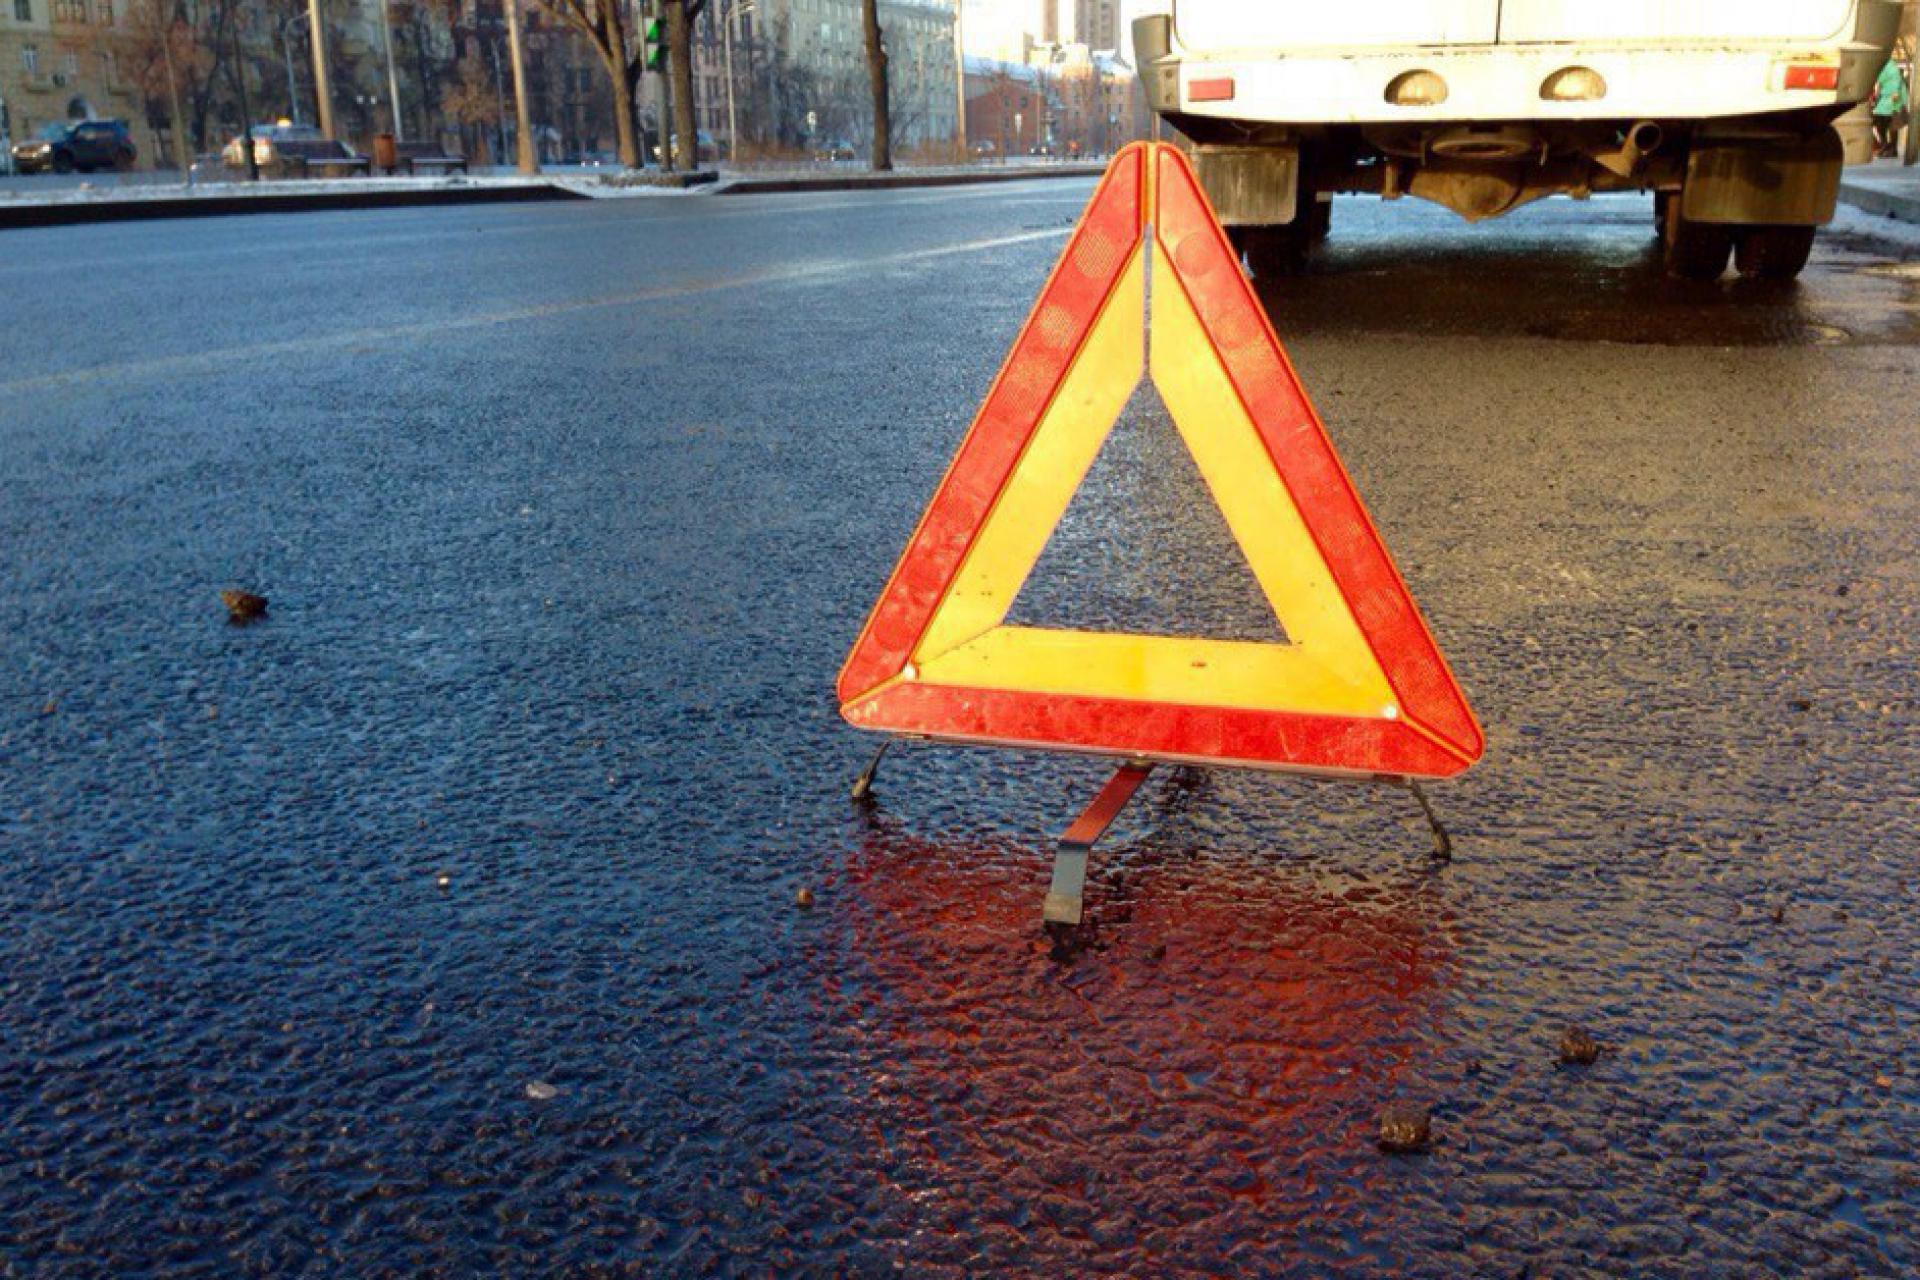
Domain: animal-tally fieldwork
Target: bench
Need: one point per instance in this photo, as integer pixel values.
(303, 157)
(339, 164)
(431, 156)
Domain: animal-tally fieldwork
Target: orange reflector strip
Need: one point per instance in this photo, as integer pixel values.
(1217, 90)
(1817, 76)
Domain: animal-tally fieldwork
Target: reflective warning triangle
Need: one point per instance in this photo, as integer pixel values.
(1359, 685)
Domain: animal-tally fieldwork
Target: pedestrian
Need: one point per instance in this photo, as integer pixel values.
(1889, 105)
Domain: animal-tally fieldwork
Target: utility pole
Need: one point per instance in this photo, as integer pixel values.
(525, 155)
(960, 80)
(322, 92)
(393, 77)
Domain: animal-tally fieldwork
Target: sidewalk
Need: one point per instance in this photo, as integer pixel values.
(1885, 187)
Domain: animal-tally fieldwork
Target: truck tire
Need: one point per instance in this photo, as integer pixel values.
(1320, 220)
(1661, 200)
(1694, 250)
(1772, 253)
(1276, 251)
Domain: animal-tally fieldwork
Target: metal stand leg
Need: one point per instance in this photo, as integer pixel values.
(863, 785)
(1442, 844)
(1064, 896)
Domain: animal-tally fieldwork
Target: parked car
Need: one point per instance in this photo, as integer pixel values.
(834, 149)
(282, 149)
(84, 145)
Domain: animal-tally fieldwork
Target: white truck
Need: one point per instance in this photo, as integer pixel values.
(1722, 108)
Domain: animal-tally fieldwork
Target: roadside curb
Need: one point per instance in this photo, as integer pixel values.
(70, 212)
(1889, 204)
(906, 178)
(130, 208)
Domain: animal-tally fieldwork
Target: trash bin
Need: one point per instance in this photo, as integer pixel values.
(386, 156)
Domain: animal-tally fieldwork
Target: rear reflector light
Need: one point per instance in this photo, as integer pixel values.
(1218, 90)
(1416, 89)
(1816, 76)
(1573, 84)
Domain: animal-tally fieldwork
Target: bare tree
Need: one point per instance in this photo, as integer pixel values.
(163, 50)
(604, 24)
(472, 101)
(877, 81)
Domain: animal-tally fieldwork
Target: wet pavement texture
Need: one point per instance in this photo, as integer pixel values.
(443, 920)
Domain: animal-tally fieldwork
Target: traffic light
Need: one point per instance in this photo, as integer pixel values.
(653, 33)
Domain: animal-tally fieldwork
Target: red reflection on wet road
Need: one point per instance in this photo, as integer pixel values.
(1215, 1058)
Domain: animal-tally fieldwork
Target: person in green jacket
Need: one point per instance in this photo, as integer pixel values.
(1889, 106)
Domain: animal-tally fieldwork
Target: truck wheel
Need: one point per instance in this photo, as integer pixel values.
(1694, 250)
(1772, 253)
(1320, 220)
(1661, 199)
(62, 162)
(1275, 251)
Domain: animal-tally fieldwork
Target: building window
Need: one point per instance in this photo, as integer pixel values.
(69, 10)
(23, 10)
(30, 60)
(70, 65)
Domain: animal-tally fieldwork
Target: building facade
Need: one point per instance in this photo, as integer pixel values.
(64, 60)
(799, 74)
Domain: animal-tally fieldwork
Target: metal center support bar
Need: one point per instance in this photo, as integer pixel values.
(1064, 896)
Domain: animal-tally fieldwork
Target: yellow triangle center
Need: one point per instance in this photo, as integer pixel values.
(1326, 667)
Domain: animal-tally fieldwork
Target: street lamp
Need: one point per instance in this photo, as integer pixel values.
(959, 82)
(287, 24)
(726, 41)
(393, 76)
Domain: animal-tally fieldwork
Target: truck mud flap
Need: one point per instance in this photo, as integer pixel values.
(1250, 186)
(1763, 181)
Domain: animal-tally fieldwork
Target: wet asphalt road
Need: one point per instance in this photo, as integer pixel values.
(567, 516)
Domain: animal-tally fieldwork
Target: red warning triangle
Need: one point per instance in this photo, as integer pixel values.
(1359, 685)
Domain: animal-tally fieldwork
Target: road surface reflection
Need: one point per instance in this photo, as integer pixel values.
(1215, 1055)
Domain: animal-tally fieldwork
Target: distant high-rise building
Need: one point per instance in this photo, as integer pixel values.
(1096, 23)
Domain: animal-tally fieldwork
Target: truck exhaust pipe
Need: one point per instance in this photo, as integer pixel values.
(1643, 139)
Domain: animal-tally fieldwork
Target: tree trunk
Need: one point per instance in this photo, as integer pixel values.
(623, 131)
(877, 80)
(181, 152)
(686, 135)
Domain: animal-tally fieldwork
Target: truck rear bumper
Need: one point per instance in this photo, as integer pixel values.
(1506, 81)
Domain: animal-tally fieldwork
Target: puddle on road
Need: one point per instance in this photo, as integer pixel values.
(1217, 1055)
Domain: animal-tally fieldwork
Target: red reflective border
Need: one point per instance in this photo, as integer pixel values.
(1156, 730)
(1091, 265)
(1206, 267)
(1216, 90)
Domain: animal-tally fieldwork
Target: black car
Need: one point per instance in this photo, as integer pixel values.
(85, 145)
